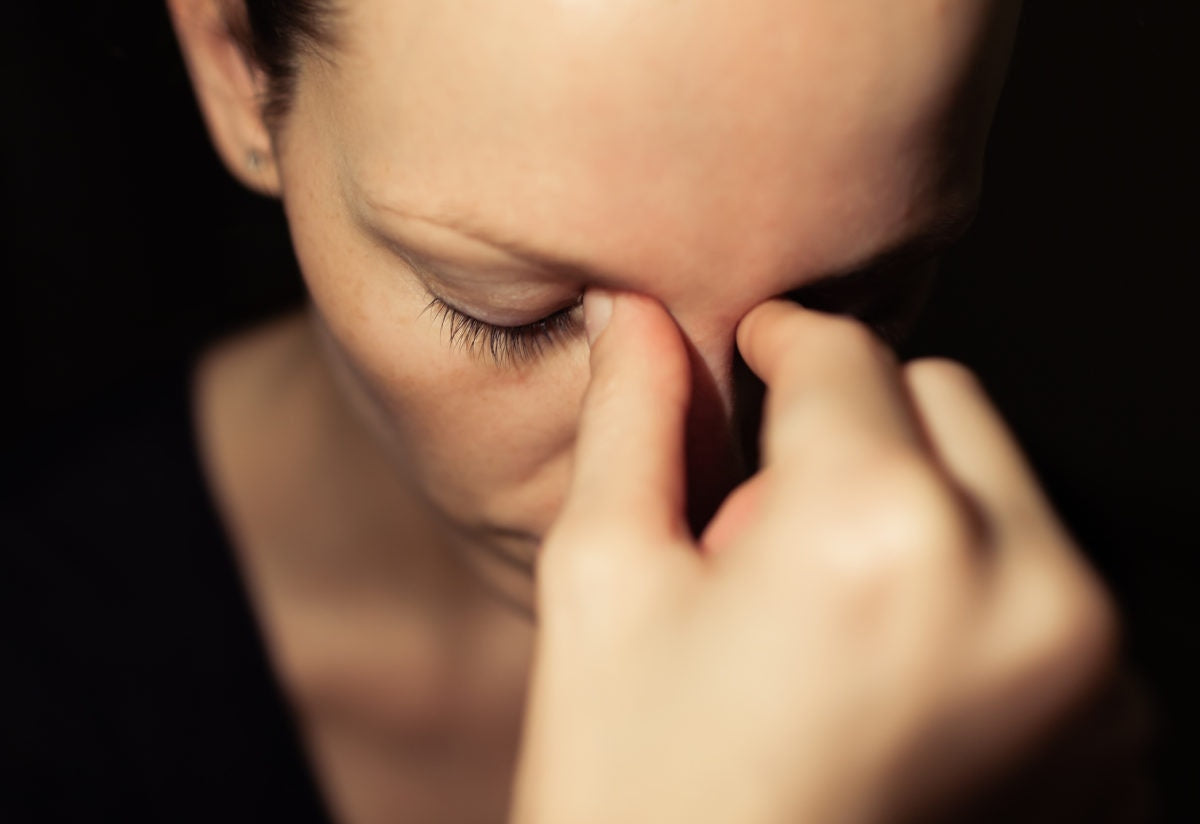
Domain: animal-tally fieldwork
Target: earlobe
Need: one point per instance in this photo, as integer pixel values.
(229, 90)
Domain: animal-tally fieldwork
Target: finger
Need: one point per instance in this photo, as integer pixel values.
(629, 449)
(1050, 605)
(972, 442)
(1051, 629)
(834, 391)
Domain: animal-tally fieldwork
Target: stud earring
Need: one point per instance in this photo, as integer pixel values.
(254, 160)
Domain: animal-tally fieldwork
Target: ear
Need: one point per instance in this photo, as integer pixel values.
(229, 90)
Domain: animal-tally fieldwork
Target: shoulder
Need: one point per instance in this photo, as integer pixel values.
(246, 391)
(253, 368)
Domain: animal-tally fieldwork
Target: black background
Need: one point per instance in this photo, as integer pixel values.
(126, 246)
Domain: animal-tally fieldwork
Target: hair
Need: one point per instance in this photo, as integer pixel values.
(273, 34)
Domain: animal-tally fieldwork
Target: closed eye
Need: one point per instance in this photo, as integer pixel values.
(506, 345)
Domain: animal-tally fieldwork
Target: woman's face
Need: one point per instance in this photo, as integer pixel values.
(497, 159)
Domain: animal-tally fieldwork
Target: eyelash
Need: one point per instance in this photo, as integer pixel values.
(506, 345)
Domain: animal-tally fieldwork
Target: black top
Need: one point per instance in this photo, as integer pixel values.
(138, 687)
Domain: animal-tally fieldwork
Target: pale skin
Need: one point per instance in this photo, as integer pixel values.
(384, 485)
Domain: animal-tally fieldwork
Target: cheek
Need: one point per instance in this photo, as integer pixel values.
(487, 447)
(485, 444)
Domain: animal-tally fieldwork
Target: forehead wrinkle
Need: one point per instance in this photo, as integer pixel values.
(463, 224)
(584, 242)
(686, 276)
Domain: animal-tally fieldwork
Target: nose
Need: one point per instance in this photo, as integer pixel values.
(725, 416)
(723, 423)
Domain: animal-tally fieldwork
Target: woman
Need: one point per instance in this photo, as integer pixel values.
(540, 241)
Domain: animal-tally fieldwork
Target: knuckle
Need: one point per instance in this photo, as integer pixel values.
(915, 511)
(1086, 630)
(1075, 633)
(902, 521)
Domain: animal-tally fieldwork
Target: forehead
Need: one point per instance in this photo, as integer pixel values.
(648, 135)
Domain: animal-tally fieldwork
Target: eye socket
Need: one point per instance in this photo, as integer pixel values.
(506, 345)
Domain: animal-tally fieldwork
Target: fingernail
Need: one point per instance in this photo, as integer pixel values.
(597, 309)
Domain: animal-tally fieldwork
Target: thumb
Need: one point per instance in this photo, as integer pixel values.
(629, 475)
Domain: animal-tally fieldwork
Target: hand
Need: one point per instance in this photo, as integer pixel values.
(884, 615)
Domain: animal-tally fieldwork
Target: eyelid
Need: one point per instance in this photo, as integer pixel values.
(466, 275)
(506, 345)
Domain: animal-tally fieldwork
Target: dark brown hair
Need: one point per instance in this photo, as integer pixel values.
(273, 34)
